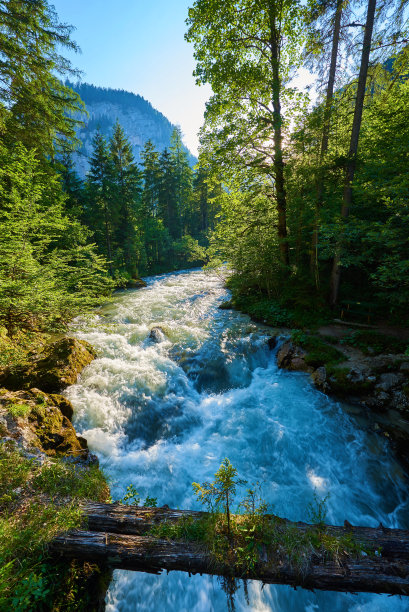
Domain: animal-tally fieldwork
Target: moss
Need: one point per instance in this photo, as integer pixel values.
(340, 382)
(55, 432)
(18, 410)
(57, 367)
(45, 422)
(318, 352)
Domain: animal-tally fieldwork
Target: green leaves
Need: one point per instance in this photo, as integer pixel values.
(47, 273)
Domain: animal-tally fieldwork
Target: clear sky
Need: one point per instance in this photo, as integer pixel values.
(138, 45)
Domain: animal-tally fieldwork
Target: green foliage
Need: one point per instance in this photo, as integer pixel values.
(29, 520)
(220, 492)
(374, 343)
(47, 272)
(18, 410)
(239, 546)
(319, 352)
(133, 498)
(70, 480)
(317, 510)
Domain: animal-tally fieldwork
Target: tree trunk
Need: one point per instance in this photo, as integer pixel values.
(353, 147)
(325, 139)
(120, 539)
(278, 140)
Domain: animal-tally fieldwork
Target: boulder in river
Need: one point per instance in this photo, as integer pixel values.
(291, 357)
(57, 367)
(157, 334)
(135, 283)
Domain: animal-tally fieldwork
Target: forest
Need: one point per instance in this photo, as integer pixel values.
(309, 190)
(299, 205)
(315, 205)
(65, 244)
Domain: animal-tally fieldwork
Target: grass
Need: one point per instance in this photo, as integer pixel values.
(18, 410)
(36, 503)
(375, 343)
(251, 534)
(16, 350)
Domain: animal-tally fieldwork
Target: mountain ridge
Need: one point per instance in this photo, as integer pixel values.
(139, 119)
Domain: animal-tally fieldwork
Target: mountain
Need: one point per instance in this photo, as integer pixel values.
(137, 116)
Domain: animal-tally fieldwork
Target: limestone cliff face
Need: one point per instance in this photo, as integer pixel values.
(137, 116)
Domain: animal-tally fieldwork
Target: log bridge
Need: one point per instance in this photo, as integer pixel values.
(118, 536)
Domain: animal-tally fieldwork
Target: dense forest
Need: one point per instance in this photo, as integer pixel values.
(315, 211)
(66, 243)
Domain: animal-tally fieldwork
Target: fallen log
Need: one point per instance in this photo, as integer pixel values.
(119, 537)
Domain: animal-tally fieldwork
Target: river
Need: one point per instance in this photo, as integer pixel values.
(162, 414)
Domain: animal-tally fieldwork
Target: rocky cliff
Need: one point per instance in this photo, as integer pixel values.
(137, 116)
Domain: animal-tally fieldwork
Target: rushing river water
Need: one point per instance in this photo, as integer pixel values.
(162, 414)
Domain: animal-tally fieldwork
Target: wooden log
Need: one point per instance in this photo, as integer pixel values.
(114, 538)
(135, 520)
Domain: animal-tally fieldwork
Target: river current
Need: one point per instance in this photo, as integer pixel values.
(161, 413)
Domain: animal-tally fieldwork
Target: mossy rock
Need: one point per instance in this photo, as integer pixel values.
(56, 368)
(318, 352)
(136, 283)
(43, 425)
(344, 382)
(228, 305)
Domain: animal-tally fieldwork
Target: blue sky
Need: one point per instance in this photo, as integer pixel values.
(138, 45)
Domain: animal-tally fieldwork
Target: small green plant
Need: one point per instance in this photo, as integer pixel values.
(133, 498)
(150, 502)
(18, 410)
(221, 491)
(317, 509)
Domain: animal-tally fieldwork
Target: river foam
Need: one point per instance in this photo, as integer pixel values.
(162, 414)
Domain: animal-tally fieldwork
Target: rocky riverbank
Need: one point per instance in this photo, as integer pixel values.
(355, 368)
(46, 470)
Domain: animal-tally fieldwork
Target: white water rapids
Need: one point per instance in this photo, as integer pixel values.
(161, 415)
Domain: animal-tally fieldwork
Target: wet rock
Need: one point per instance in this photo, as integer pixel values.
(228, 305)
(319, 378)
(34, 420)
(57, 367)
(272, 342)
(404, 367)
(389, 381)
(157, 334)
(291, 357)
(136, 283)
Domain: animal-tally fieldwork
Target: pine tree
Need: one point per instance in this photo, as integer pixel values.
(41, 110)
(183, 179)
(168, 204)
(102, 210)
(126, 193)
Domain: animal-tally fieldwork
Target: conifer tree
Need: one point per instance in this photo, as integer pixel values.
(102, 210)
(168, 204)
(126, 192)
(41, 108)
(183, 179)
